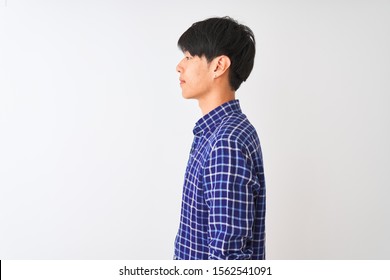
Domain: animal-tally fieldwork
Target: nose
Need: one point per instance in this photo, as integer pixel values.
(179, 68)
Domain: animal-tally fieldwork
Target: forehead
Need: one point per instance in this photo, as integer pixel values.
(195, 57)
(187, 53)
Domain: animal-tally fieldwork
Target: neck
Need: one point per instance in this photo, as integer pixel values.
(212, 101)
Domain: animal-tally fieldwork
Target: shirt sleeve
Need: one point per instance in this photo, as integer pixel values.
(228, 183)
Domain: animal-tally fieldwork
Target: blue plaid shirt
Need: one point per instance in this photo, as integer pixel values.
(223, 208)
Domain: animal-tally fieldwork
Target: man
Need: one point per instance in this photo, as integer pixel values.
(223, 207)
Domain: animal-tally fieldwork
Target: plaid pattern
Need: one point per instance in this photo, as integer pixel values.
(223, 207)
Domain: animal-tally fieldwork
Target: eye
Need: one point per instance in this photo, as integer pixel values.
(188, 56)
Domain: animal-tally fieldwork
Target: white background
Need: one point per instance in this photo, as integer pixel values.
(94, 133)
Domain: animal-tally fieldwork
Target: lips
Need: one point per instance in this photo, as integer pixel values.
(182, 81)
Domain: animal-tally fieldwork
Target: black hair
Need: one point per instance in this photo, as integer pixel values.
(222, 36)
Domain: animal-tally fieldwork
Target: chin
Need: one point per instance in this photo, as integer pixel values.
(187, 95)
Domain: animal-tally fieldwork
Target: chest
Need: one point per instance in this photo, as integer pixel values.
(199, 154)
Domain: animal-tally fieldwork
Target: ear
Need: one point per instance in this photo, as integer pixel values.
(222, 64)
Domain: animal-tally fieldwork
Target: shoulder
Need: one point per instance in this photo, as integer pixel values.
(235, 134)
(236, 130)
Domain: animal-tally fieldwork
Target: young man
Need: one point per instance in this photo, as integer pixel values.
(223, 207)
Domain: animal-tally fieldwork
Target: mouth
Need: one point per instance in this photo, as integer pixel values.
(182, 81)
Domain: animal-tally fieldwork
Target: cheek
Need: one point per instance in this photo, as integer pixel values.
(197, 76)
(200, 74)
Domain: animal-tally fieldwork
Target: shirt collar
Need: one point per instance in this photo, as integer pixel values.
(214, 117)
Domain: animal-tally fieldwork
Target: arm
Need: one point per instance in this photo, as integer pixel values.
(228, 182)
